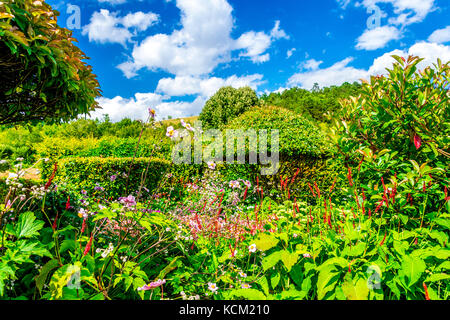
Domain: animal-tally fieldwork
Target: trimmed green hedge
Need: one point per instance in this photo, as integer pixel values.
(298, 136)
(89, 173)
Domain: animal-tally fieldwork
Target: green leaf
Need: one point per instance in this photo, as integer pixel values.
(355, 290)
(249, 294)
(27, 226)
(266, 242)
(171, 266)
(264, 284)
(412, 269)
(42, 277)
(289, 259)
(271, 260)
(275, 279)
(437, 277)
(327, 280)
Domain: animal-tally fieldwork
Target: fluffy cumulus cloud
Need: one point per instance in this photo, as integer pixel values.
(404, 13)
(205, 87)
(108, 27)
(440, 35)
(338, 73)
(203, 42)
(377, 38)
(190, 53)
(310, 64)
(136, 108)
(342, 71)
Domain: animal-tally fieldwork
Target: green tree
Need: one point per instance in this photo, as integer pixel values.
(226, 104)
(42, 73)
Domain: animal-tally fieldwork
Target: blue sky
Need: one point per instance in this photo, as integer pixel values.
(172, 55)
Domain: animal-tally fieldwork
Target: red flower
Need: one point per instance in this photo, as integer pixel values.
(54, 222)
(49, 182)
(349, 177)
(245, 193)
(312, 191)
(88, 246)
(427, 297)
(317, 189)
(68, 203)
(382, 241)
(83, 226)
(417, 141)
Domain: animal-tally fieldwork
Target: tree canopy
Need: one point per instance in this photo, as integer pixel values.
(226, 104)
(42, 73)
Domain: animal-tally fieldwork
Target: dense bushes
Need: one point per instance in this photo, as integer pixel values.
(298, 136)
(96, 174)
(314, 104)
(226, 104)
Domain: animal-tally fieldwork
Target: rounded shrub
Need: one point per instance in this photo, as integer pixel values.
(227, 104)
(298, 136)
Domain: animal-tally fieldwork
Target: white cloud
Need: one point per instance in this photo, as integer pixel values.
(338, 73)
(255, 44)
(342, 72)
(377, 38)
(311, 64)
(277, 33)
(440, 35)
(406, 11)
(201, 44)
(290, 52)
(108, 27)
(197, 48)
(140, 20)
(206, 87)
(136, 108)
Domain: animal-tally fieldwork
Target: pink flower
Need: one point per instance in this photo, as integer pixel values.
(211, 165)
(129, 201)
(152, 285)
(171, 133)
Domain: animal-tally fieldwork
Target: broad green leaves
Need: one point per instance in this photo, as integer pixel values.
(265, 242)
(27, 226)
(411, 270)
(356, 288)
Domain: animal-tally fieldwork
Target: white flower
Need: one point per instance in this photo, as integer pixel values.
(242, 274)
(246, 286)
(234, 184)
(211, 165)
(252, 248)
(212, 286)
(171, 133)
(306, 255)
